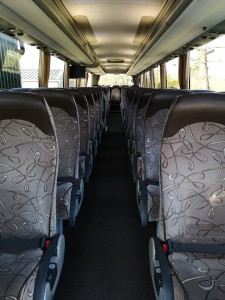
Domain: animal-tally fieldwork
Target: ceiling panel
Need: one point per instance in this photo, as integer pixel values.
(115, 25)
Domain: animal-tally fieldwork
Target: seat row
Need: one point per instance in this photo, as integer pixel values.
(48, 141)
(176, 141)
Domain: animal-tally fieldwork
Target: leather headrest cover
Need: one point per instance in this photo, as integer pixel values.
(79, 98)
(58, 98)
(88, 95)
(162, 100)
(146, 94)
(195, 108)
(27, 107)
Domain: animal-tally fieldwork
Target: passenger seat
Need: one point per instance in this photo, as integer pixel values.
(31, 253)
(188, 256)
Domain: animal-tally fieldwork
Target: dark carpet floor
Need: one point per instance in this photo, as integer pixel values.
(107, 253)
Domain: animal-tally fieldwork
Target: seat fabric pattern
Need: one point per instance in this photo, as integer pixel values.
(91, 108)
(63, 200)
(153, 135)
(134, 113)
(139, 130)
(67, 129)
(28, 172)
(17, 274)
(27, 177)
(192, 174)
(153, 202)
(83, 118)
(202, 275)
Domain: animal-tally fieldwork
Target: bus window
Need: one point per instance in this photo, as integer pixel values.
(11, 51)
(56, 72)
(29, 65)
(115, 79)
(89, 79)
(207, 65)
(172, 74)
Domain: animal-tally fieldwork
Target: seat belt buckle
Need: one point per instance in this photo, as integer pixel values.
(47, 243)
(165, 247)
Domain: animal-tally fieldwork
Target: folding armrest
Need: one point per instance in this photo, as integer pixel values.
(160, 270)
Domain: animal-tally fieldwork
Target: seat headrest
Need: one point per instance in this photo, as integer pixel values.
(144, 98)
(79, 98)
(162, 100)
(58, 98)
(195, 108)
(26, 106)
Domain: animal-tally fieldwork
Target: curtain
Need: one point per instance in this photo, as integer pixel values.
(86, 79)
(184, 70)
(78, 82)
(163, 76)
(151, 79)
(66, 75)
(44, 68)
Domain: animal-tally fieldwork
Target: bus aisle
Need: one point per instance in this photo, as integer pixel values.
(107, 253)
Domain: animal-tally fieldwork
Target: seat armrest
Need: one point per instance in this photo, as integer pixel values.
(42, 273)
(166, 276)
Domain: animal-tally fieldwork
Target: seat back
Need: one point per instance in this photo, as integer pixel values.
(135, 101)
(140, 117)
(91, 109)
(193, 170)
(65, 116)
(155, 117)
(127, 102)
(84, 123)
(28, 167)
(97, 108)
(106, 91)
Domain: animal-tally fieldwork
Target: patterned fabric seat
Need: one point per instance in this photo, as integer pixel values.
(102, 111)
(126, 100)
(155, 117)
(63, 108)
(28, 172)
(139, 132)
(128, 111)
(92, 115)
(133, 124)
(192, 199)
(124, 91)
(84, 125)
(97, 101)
(106, 91)
(131, 110)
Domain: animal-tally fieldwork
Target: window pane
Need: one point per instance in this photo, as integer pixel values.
(56, 72)
(172, 74)
(208, 66)
(157, 77)
(118, 79)
(89, 79)
(147, 79)
(11, 51)
(29, 64)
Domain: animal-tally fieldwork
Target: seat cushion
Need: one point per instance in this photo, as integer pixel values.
(17, 274)
(201, 275)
